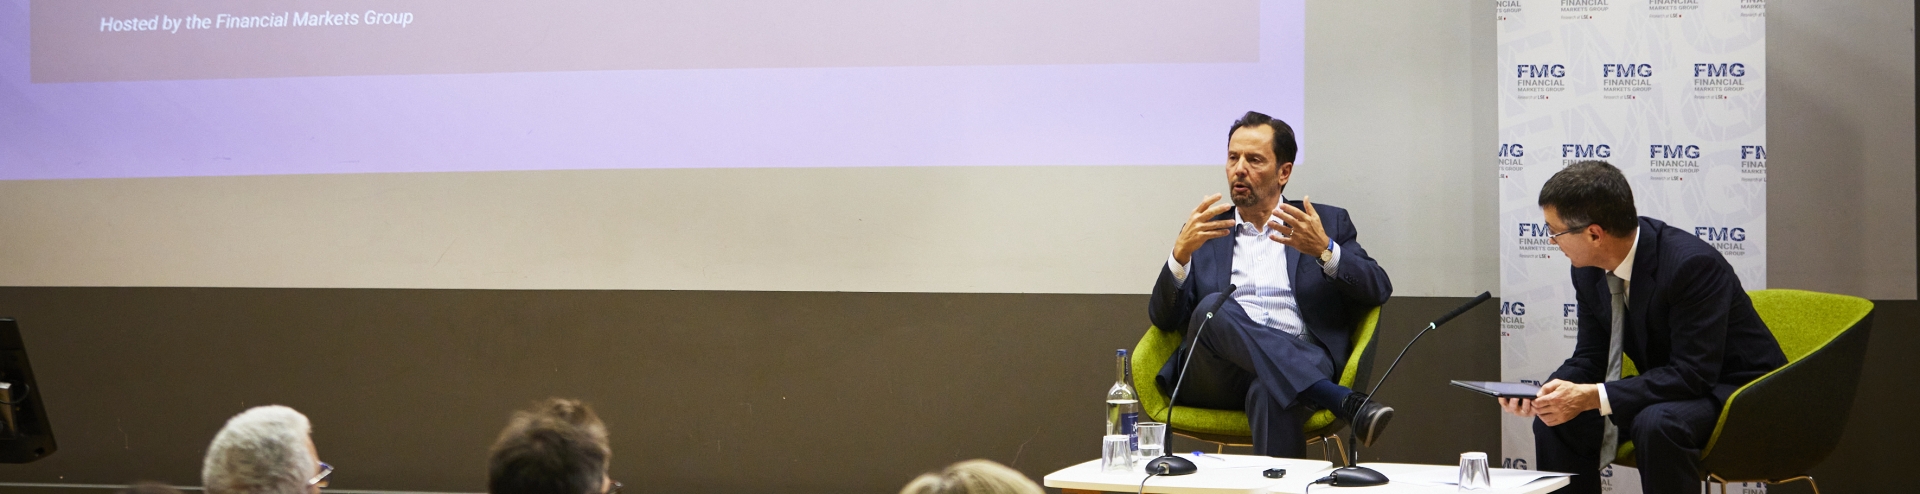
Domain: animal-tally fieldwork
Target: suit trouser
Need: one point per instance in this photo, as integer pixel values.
(1243, 365)
(1667, 439)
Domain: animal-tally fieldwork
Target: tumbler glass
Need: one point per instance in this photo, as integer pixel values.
(1151, 435)
(1473, 472)
(1116, 453)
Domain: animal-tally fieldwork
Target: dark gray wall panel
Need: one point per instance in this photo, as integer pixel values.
(408, 387)
(704, 391)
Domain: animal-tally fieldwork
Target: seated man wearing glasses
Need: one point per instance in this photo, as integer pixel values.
(264, 450)
(1666, 300)
(557, 447)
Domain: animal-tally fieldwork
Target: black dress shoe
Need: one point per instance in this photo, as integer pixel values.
(1368, 420)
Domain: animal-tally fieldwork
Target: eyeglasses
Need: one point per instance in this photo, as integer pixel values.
(320, 479)
(1551, 236)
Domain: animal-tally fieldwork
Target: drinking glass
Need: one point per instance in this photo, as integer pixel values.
(1473, 472)
(1116, 453)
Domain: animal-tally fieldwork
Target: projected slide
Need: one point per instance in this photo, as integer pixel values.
(114, 88)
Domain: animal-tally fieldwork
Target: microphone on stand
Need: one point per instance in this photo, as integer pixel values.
(1354, 475)
(1168, 464)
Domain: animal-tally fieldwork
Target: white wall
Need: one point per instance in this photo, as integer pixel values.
(1400, 97)
(1028, 229)
(1840, 120)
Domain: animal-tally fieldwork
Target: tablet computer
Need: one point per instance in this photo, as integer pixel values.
(1500, 389)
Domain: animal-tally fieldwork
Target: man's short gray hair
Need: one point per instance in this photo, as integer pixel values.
(261, 451)
(973, 477)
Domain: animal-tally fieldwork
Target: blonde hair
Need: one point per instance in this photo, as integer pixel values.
(973, 477)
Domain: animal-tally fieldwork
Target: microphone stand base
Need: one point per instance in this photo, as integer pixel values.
(1357, 477)
(1170, 465)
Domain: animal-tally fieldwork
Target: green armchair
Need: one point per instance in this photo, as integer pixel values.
(1776, 428)
(1230, 427)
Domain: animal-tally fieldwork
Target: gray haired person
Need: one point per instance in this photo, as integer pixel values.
(264, 450)
(973, 477)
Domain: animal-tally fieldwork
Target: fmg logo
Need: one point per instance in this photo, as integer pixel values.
(1525, 71)
(1720, 70)
(1512, 158)
(1586, 151)
(1720, 234)
(1628, 77)
(1673, 151)
(1534, 240)
(1512, 318)
(1626, 70)
(1729, 241)
(1753, 161)
(1540, 78)
(1673, 158)
(1719, 77)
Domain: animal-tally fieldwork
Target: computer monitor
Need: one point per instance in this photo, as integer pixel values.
(25, 435)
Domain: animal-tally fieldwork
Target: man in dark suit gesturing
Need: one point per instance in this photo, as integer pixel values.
(1663, 298)
(1299, 282)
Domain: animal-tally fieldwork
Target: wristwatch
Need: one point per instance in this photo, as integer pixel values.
(1326, 256)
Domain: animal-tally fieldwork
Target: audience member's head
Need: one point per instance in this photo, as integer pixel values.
(264, 450)
(149, 487)
(972, 477)
(557, 447)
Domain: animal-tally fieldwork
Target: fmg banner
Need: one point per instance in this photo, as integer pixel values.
(1673, 92)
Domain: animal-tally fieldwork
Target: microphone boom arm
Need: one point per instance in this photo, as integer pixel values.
(1167, 463)
(1353, 453)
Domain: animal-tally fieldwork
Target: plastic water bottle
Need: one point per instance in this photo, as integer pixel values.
(1123, 405)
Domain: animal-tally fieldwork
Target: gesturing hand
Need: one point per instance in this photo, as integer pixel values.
(1299, 229)
(1199, 230)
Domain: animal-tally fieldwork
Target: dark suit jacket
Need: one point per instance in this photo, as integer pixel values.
(1690, 330)
(1329, 307)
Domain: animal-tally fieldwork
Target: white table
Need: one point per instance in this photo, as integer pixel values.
(1240, 474)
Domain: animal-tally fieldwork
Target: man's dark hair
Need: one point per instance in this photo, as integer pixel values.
(557, 447)
(1592, 193)
(1284, 147)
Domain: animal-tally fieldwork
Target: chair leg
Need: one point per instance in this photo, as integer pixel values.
(1713, 478)
(1337, 443)
(1219, 446)
(1808, 478)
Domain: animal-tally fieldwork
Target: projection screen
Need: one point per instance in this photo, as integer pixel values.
(557, 145)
